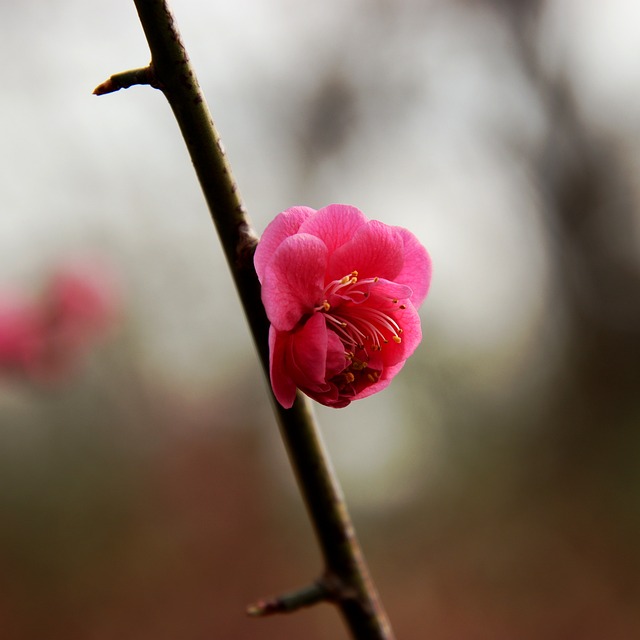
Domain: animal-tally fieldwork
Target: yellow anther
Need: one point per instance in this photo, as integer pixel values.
(349, 376)
(326, 306)
(397, 339)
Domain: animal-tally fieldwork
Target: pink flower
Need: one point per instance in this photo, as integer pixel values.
(341, 293)
(45, 338)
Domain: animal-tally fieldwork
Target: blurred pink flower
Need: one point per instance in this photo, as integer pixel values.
(20, 331)
(341, 293)
(46, 337)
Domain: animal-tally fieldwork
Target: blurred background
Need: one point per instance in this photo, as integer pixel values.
(144, 490)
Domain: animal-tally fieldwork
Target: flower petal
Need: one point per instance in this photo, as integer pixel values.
(336, 357)
(409, 320)
(416, 270)
(293, 280)
(307, 354)
(334, 224)
(383, 383)
(300, 360)
(376, 250)
(284, 389)
(285, 224)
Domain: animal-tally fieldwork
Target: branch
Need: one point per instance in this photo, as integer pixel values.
(346, 581)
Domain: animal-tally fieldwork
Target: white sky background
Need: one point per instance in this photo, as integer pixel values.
(438, 98)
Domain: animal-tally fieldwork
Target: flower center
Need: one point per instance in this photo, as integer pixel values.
(359, 323)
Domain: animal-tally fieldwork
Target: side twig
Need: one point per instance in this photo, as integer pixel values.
(346, 581)
(126, 79)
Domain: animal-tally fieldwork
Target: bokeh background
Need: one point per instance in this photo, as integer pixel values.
(144, 491)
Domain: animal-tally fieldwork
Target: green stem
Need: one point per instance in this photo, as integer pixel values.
(346, 580)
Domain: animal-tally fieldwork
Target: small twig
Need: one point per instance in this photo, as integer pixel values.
(291, 601)
(126, 79)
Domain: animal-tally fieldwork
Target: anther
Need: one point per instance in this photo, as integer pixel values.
(397, 339)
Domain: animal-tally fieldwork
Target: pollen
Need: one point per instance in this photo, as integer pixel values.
(352, 278)
(397, 339)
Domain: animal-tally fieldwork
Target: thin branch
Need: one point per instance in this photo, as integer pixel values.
(346, 580)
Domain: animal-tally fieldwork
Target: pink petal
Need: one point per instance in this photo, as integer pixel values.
(411, 335)
(385, 289)
(336, 358)
(281, 227)
(293, 280)
(307, 355)
(416, 270)
(411, 329)
(376, 250)
(299, 360)
(335, 224)
(383, 383)
(283, 387)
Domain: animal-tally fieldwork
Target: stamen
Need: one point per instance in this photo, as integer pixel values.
(357, 324)
(358, 365)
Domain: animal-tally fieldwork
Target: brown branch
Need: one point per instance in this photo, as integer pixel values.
(346, 581)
